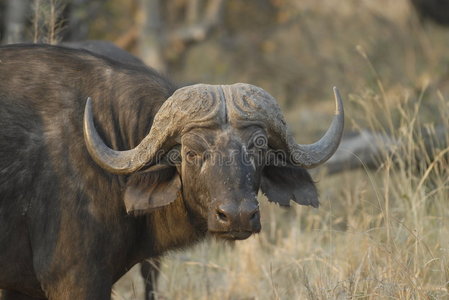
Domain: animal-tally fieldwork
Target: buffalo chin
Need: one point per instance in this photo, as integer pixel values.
(231, 235)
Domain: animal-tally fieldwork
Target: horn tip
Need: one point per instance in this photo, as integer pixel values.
(88, 107)
(338, 101)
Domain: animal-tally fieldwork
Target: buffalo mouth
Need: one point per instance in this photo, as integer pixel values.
(232, 235)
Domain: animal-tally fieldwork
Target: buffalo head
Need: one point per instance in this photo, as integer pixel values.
(222, 143)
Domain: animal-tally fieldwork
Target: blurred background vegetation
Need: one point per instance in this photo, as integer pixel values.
(294, 49)
(381, 233)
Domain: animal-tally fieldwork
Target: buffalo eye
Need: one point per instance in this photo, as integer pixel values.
(191, 156)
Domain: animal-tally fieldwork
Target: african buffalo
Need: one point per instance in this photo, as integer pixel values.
(104, 164)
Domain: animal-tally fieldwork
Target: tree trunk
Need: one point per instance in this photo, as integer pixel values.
(151, 37)
(15, 21)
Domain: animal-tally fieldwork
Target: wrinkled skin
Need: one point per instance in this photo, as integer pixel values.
(219, 153)
(64, 228)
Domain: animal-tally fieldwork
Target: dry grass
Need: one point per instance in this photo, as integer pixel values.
(380, 234)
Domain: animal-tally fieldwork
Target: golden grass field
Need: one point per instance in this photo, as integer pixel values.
(379, 234)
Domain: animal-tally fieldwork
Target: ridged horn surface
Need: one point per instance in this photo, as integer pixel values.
(188, 107)
(250, 104)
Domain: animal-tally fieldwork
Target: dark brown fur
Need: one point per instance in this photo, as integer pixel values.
(71, 219)
(149, 268)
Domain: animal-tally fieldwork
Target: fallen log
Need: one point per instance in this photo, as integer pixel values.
(369, 149)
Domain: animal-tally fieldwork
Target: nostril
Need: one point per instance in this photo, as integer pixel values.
(221, 215)
(254, 215)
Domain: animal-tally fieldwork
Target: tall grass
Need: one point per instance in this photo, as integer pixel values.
(379, 234)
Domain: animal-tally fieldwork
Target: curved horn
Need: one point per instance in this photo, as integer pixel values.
(309, 156)
(178, 113)
(249, 103)
(117, 162)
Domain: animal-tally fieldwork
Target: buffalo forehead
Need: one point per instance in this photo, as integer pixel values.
(238, 104)
(223, 137)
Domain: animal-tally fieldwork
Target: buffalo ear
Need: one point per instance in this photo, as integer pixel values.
(282, 184)
(149, 191)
